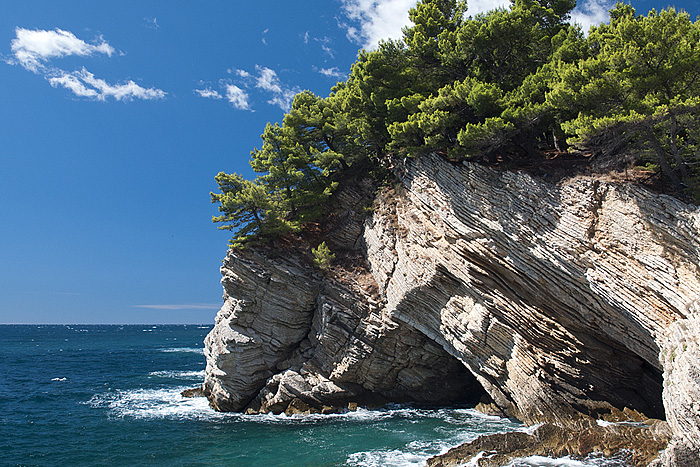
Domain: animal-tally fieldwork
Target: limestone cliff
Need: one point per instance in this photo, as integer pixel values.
(557, 301)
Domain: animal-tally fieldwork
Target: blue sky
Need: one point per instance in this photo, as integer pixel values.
(116, 116)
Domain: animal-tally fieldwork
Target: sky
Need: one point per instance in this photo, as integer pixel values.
(116, 116)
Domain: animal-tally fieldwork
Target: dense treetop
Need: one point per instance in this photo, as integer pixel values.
(509, 84)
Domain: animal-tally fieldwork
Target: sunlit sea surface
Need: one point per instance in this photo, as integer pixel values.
(110, 395)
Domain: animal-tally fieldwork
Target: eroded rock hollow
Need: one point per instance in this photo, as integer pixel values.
(286, 335)
(554, 300)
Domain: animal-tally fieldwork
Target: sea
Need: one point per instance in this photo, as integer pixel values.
(109, 395)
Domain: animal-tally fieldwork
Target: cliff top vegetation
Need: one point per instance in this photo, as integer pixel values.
(508, 86)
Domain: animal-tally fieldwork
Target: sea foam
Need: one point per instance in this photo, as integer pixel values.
(198, 350)
(393, 458)
(178, 374)
(154, 404)
(595, 460)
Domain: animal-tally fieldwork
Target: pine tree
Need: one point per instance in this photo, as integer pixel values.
(638, 94)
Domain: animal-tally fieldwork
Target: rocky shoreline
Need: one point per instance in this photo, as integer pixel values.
(639, 444)
(556, 303)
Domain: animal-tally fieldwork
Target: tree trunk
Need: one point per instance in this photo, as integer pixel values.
(663, 163)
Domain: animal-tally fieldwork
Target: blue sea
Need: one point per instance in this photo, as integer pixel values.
(110, 395)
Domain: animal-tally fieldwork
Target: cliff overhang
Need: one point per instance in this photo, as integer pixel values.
(554, 302)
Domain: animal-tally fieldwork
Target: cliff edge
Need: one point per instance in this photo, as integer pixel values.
(550, 303)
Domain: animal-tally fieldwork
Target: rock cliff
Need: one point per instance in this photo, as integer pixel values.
(555, 302)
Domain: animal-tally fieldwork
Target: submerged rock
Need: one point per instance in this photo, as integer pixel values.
(193, 392)
(556, 301)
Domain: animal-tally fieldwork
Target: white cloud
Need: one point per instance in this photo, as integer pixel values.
(482, 6)
(267, 80)
(371, 21)
(33, 48)
(237, 97)
(126, 91)
(592, 13)
(209, 93)
(284, 99)
(74, 84)
(84, 84)
(185, 306)
(378, 19)
(263, 80)
(332, 72)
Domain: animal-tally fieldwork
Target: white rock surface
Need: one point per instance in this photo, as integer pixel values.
(557, 300)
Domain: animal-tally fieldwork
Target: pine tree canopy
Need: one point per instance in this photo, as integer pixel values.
(507, 85)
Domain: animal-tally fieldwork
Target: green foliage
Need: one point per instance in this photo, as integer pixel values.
(247, 210)
(637, 95)
(322, 257)
(509, 83)
(296, 163)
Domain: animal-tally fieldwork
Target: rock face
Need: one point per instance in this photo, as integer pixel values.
(680, 356)
(639, 444)
(556, 301)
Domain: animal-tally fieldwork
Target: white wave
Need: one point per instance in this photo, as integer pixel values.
(465, 425)
(590, 461)
(468, 418)
(393, 458)
(59, 379)
(179, 374)
(476, 414)
(474, 462)
(530, 430)
(605, 423)
(199, 350)
(155, 404)
(539, 461)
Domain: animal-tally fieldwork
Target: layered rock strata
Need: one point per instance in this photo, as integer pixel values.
(555, 300)
(680, 356)
(636, 444)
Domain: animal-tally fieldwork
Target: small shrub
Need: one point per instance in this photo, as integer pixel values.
(322, 257)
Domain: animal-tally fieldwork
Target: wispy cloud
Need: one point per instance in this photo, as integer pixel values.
(35, 49)
(267, 80)
(84, 84)
(237, 97)
(184, 306)
(208, 93)
(74, 84)
(592, 13)
(282, 96)
(241, 88)
(370, 21)
(332, 72)
(325, 45)
(151, 23)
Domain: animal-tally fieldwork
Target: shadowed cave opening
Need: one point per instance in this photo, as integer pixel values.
(431, 376)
